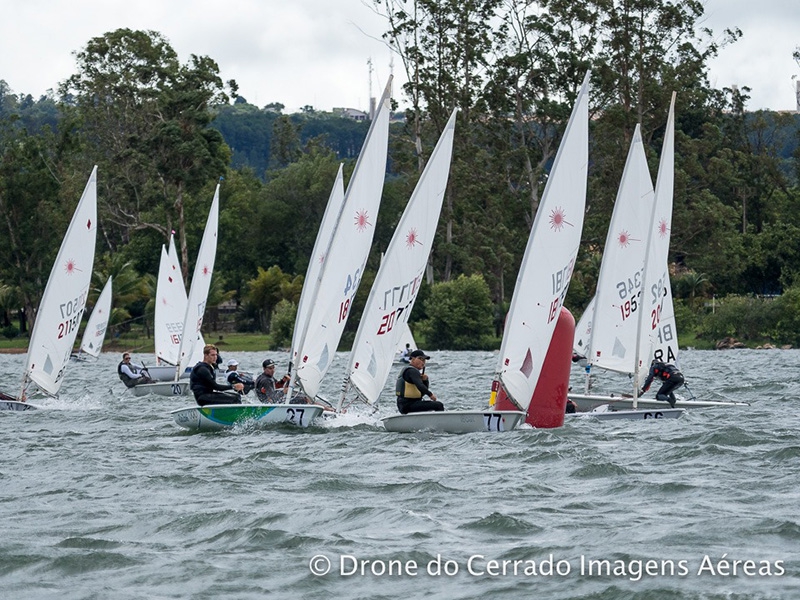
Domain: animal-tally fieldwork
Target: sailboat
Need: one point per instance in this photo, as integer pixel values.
(96, 325)
(194, 310)
(334, 272)
(345, 260)
(170, 310)
(633, 320)
(405, 344)
(583, 335)
(62, 304)
(541, 286)
(397, 282)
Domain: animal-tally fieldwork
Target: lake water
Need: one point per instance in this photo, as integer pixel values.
(103, 497)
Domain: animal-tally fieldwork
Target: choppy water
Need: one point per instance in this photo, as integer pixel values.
(103, 497)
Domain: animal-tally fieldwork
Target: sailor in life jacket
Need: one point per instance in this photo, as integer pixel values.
(671, 377)
(131, 374)
(412, 387)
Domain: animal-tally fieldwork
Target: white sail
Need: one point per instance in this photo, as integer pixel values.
(322, 244)
(548, 261)
(64, 298)
(170, 306)
(405, 339)
(96, 325)
(198, 292)
(401, 272)
(658, 334)
(347, 255)
(583, 331)
(618, 299)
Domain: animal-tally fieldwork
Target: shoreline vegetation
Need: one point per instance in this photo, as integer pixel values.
(261, 342)
(230, 342)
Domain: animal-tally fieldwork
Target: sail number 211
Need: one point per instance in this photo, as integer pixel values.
(71, 312)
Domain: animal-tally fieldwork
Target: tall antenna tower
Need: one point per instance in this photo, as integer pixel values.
(371, 97)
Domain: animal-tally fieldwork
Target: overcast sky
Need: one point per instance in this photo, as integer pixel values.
(316, 52)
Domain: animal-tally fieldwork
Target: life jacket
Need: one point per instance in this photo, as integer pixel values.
(664, 371)
(126, 379)
(404, 389)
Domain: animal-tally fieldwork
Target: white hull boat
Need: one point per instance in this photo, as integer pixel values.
(587, 403)
(16, 405)
(221, 417)
(611, 414)
(162, 388)
(455, 421)
(165, 373)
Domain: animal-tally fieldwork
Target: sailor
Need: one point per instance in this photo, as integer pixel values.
(132, 374)
(671, 377)
(405, 353)
(268, 389)
(412, 387)
(204, 384)
(234, 375)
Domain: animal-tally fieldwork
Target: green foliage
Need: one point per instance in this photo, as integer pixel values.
(163, 132)
(787, 325)
(10, 331)
(745, 318)
(268, 289)
(281, 326)
(459, 316)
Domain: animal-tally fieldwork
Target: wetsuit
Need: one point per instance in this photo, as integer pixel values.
(243, 378)
(270, 390)
(205, 388)
(410, 390)
(671, 377)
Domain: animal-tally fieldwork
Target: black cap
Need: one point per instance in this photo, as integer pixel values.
(418, 354)
(268, 363)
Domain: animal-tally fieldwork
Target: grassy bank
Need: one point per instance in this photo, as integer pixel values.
(135, 342)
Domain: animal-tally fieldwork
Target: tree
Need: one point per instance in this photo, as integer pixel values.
(145, 121)
(459, 315)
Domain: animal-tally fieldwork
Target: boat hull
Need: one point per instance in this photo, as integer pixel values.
(161, 388)
(165, 373)
(585, 403)
(16, 405)
(455, 421)
(632, 415)
(220, 417)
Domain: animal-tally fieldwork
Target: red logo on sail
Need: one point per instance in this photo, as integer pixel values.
(624, 239)
(362, 220)
(558, 218)
(412, 237)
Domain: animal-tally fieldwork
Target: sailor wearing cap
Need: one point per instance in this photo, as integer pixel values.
(268, 390)
(412, 387)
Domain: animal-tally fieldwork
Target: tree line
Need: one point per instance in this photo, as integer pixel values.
(163, 132)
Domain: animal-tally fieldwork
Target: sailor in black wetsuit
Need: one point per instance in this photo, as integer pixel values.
(412, 387)
(203, 382)
(671, 377)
